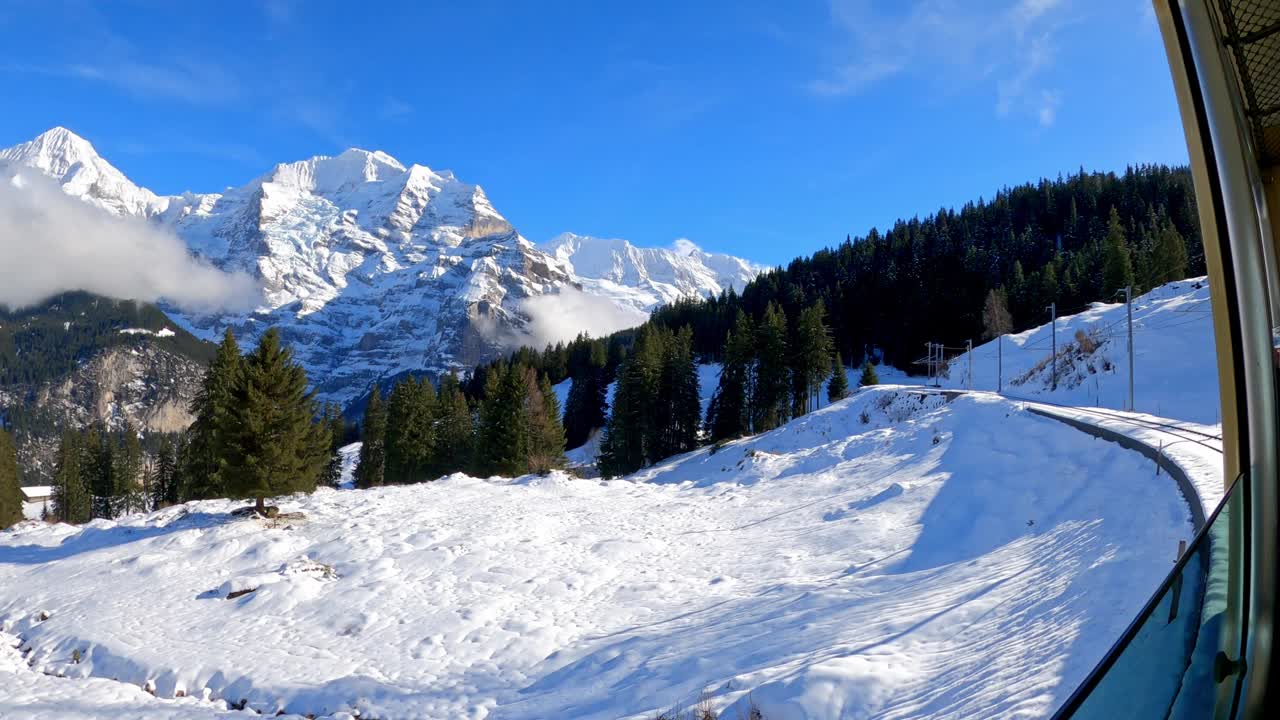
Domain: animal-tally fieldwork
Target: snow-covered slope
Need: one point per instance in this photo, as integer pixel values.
(891, 555)
(1175, 366)
(370, 267)
(648, 277)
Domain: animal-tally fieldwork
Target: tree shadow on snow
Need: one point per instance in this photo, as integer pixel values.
(92, 538)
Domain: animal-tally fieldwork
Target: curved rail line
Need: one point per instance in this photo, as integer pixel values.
(1184, 433)
(1180, 431)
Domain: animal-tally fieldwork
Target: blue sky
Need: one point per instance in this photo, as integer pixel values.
(759, 128)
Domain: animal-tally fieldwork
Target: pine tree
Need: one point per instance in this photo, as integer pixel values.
(163, 487)
(129, 496)
(624, 447)
(276, 445)
(773, 382)
(996, 320)
(337, 429)
(584, 411)
(1168, 256)
(454, 429)
(542, 420)
(869, 376)
(411, 441)
(11, 499)
(72, 501)
(838, 387)
(811, 359)
(1117, 267)
(97, 468)
(372, 467)
(205, 453)
(729, 415)
(679, 388)
(503, 434)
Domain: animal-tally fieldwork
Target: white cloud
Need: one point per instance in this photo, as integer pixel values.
(53, 243)
(685, 246)
(950, 44)
(1049, 102)
(561, 316)
(193, 82)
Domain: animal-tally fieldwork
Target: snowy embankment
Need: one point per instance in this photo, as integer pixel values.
(892, 555)
(1175, 365)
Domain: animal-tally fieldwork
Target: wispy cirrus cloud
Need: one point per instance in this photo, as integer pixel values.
(187, 81)
(1009, 46)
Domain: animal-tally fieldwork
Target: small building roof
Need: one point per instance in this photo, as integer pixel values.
(37, 492)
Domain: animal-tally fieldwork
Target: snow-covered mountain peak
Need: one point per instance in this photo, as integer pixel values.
(327, 175)
(55, 151)
(649, 276)
(76, 165)
(372, 267)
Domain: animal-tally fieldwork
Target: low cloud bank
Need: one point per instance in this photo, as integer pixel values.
(52, 243)
(560, 316)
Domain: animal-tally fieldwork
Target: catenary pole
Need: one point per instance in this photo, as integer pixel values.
(1128, 301)
(970, 350)
(1000, 363)
(1053, 314)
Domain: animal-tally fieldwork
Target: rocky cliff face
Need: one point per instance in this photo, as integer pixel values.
(80, 360)
(148, 387)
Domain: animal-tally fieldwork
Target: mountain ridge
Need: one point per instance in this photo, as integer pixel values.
(369, 266)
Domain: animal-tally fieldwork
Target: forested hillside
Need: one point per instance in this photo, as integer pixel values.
(43, 342)
(80, 359)
(992, 266)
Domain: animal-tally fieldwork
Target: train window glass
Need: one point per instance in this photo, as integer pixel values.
(1166, 664)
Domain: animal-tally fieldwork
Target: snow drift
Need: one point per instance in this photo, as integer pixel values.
(892, 555)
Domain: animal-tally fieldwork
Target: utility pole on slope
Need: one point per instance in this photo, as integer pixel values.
(937, 374)
(970, 351)
(1000, 363)
(928, 363)
(1053, 314)
(1128, 306)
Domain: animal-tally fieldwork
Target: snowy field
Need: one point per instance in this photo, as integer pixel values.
(1175, 365)
(890, 556)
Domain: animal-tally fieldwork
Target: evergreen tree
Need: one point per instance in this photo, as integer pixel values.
(11, 498)
(411, 412)
(811, 358)
(205, 454)
(996, 320)
(337, 429)
(542, 421)
(729, 415)
(869, 376)
(72, 501)
(127, 473)
(773, 382)
(1168, 256)
(454, 429)
(97, 467)
(1117, 267)
(676, 407)
(372, 467)
(585, 411)
(625, 445)
(164, 485)
(838, 387)
(503, 432)
(276, 445)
